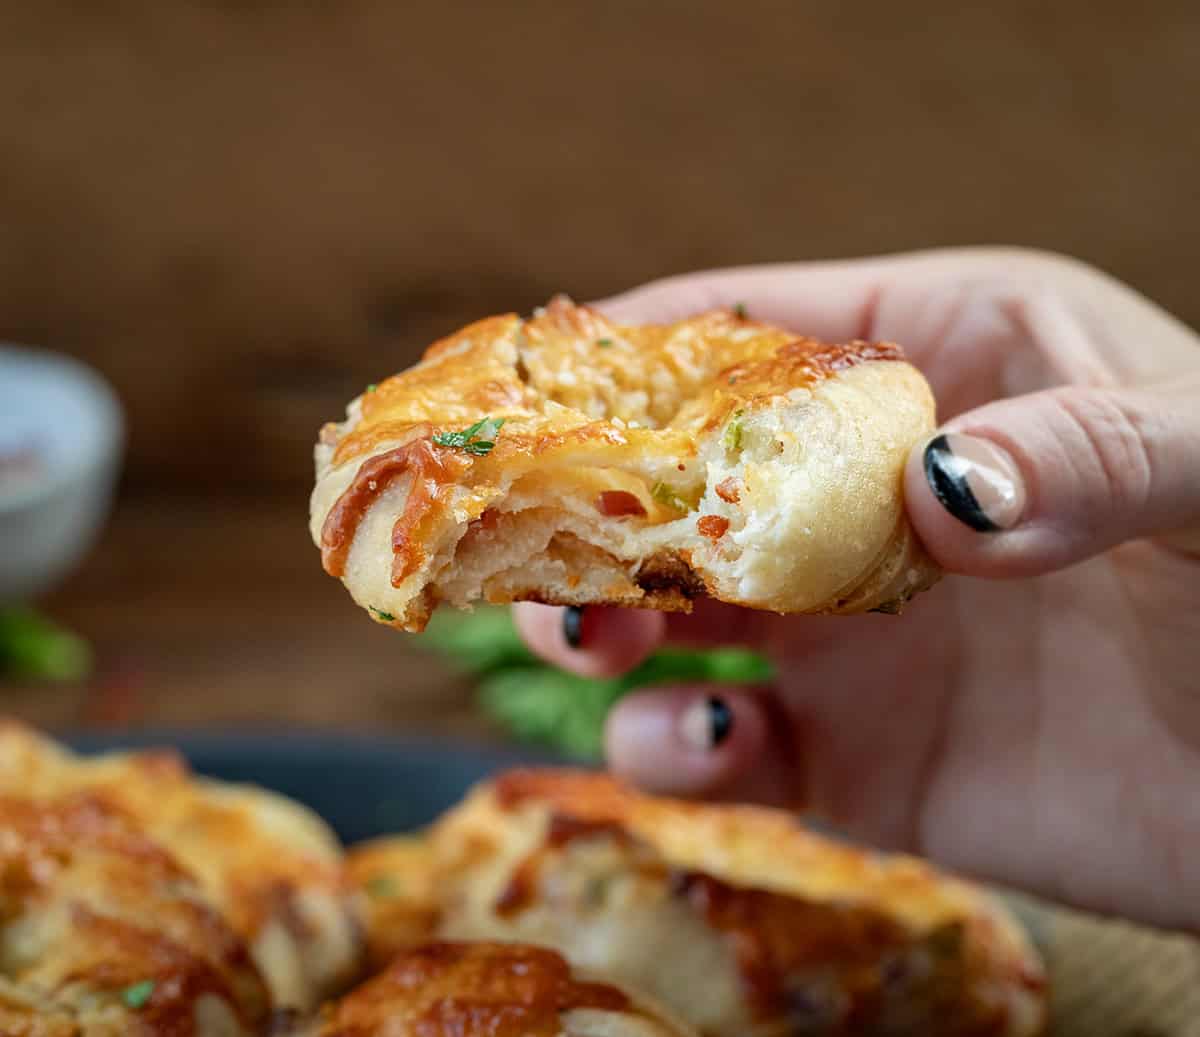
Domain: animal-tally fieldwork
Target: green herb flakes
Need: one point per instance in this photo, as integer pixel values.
(477, 440)
(387, 617)
(739, 311)
(663, 493)
(372, 387)
(732, 439)
(382, 886)
(137, 994)
(604, 343)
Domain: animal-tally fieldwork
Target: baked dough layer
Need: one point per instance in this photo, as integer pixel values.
(737, 918)
(638, 466)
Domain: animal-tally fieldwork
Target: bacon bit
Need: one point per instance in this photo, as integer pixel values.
(712, 526)
(618, 504)
(729, 490)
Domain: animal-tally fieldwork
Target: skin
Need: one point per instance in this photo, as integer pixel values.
(1034, 720)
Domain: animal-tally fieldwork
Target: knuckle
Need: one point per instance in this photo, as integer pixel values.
(1111, 445)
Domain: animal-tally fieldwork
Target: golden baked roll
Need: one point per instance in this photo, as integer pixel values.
(569, 460)
(397, 883)
(104, 934)
(489, 990)
(270, 867)
(737, 918)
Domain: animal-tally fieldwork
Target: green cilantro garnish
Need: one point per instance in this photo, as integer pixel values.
(732, 439)
(663, 493)
(604, 343)
(382, 886)
(477, 440)
(372, 387)
(739, 310)
(137, 994)
(387, 617)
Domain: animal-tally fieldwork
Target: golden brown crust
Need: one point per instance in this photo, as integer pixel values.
(268, 867)
(92, 911)
(780, 928)
(484, 990)
(608, 416)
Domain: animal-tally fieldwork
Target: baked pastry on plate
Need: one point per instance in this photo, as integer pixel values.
(103, 934)
(737, 918)
(569, 460)
(269, 868)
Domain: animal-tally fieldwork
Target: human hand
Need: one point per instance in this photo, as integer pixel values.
(1042, 732)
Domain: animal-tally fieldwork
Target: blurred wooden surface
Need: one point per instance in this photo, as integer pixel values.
(244, 212)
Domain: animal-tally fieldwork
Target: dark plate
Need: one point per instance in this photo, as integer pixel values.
(363, 786)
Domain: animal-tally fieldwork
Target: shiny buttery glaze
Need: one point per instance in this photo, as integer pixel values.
(565, 380)
(469, 990)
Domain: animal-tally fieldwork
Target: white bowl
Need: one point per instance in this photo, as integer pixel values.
(61, 435)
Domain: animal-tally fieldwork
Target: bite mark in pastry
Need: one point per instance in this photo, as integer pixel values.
(569, 460)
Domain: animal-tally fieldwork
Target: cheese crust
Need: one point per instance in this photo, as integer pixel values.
(268, 870)
(637, 466)
(737, 918)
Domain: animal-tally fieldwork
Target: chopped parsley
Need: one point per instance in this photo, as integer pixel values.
(604, 343)
(387, 617)
(739, 311)
(477, 440)
(372, 387)
(663, 493)
(382, 886)
(732, 439)
(137, 994)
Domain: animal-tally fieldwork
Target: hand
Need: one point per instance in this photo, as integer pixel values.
(1042, 732)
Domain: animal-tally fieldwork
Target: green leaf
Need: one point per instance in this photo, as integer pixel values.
(387, 617)
(538, 703)
(33, 647)
(137, 994)
(478, 641)
(477, 440)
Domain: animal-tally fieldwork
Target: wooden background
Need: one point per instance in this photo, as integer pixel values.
(243, 212)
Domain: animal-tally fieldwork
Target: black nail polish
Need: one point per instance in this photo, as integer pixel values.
(720, 720)
(572, 622)
(947, 478)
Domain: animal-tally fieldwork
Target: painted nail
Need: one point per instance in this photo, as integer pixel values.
(706, 723)
(976, 481)
(572, 622)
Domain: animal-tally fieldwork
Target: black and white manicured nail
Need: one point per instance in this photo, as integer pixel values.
(706, 723)
(572, 621)
(975, 480)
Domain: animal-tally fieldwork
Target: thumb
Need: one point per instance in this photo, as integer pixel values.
(1031, 484)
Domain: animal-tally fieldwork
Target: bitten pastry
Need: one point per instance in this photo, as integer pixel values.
(269, 868)
(569, 460)
(489, 990)
(737, 918)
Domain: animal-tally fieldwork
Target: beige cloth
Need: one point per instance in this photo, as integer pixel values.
(1112, 979)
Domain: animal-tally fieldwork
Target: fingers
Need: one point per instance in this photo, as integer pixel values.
(705, 742)
(1032, 484)
(592, 642)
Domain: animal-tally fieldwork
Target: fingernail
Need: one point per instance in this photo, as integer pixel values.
(706, 723)
(572, 621)
(975, 480)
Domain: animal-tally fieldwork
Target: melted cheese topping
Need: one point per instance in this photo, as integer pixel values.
(571, 388)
